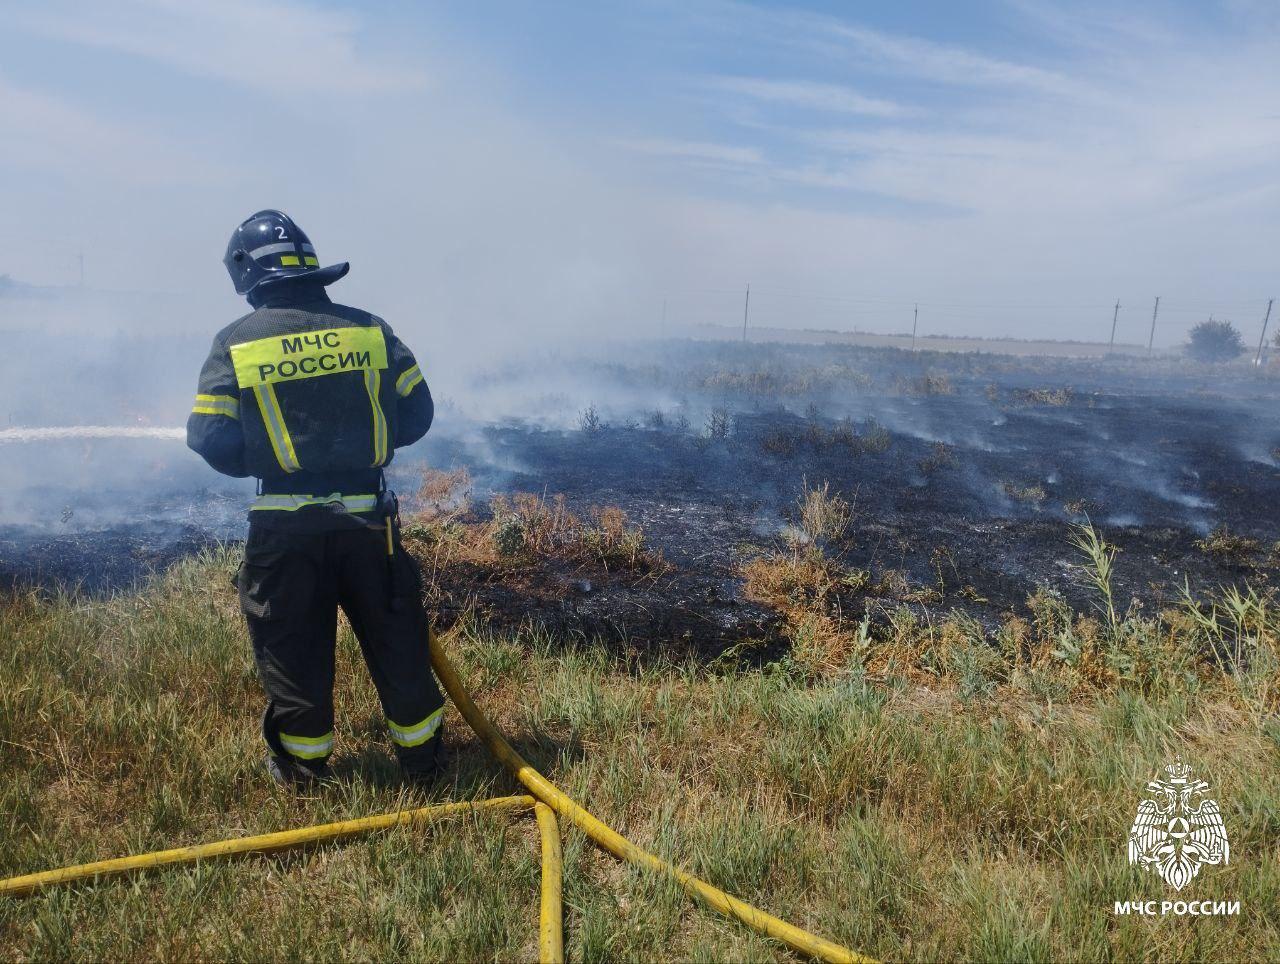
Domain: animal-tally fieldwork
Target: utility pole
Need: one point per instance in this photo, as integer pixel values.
(915, 323)
(1262, 339)
(746, 308)
(1114, 317)
(1152, 340)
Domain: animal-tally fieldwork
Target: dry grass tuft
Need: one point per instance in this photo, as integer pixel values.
(1053, 397)
(1230, 548)
(1030, 494)
(824, 517)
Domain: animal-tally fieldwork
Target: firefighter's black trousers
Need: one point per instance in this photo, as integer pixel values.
(291, 585)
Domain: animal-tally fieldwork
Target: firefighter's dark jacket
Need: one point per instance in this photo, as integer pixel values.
(309, 396)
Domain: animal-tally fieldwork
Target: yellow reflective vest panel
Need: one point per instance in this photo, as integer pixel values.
(311, 390)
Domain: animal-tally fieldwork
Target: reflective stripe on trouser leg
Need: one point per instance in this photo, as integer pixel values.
(419, 733)
(307, 747)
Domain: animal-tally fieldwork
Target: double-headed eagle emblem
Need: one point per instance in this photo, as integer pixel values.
(1178, 828)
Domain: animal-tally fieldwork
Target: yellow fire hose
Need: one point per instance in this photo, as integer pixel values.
(608, 838)
(551, 926)
(263, 843)
(549, 798)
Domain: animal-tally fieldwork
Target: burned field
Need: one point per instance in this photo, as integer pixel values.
(958, 483)
(671, 501)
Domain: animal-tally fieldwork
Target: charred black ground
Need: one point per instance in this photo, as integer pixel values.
(966, 473)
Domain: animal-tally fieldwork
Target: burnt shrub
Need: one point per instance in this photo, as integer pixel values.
(941, 456)
(1032, 493)
(589, 420)
(779, 442)
(1056, 397)
(1215, 341)
(929, 383)
(719, 423)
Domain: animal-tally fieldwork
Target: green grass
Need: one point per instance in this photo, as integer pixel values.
(983, 817)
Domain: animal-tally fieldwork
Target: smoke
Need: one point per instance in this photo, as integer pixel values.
(527, 219)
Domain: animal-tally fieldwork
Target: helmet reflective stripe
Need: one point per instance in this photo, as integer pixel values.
(307, 747)
(281, 502)
(259, 253)
(417, 734)
(273, 419)
(309, 249)
(289, 261)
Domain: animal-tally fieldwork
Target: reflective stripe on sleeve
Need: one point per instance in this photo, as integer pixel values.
(373, 385)
(227, 405)
(273, 419)
(307, 747)
(291, 503)
(417, 734)
(409, 380)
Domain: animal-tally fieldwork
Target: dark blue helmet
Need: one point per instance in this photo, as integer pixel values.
(269, 247)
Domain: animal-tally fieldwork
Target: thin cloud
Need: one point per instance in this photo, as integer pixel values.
(314, 50)
(840, 40)
(810, 95)
(946, 63)
(697, 151)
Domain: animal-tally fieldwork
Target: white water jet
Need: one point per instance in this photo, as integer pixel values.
(89, 431)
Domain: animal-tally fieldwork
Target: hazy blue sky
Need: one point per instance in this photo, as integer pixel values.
(526, 167)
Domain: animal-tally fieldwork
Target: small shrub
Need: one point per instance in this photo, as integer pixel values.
(1229, 548)
(508, 536)
(719, 423)
(589, 420)
(779, 443)
(940, 456)
(875, 438)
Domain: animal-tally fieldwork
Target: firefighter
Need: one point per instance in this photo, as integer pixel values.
(313, 398)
